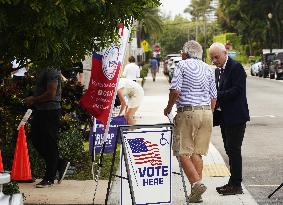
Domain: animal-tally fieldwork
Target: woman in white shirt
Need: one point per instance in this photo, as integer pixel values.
(134, 93)
(131, 71)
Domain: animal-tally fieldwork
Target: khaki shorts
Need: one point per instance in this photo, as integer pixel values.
(192, 132)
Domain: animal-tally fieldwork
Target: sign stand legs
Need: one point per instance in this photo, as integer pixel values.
(111, 174)
(112, 167)
(183, 180)
(270, 195)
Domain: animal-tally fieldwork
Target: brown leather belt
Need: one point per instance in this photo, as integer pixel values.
(197, 107)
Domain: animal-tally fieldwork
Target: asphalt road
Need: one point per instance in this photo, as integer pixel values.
(262, 149)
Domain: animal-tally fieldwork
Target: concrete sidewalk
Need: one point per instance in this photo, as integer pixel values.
(151, 112)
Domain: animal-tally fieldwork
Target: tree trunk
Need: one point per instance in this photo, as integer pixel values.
(278, 25)
(250, 47)
(138, 33)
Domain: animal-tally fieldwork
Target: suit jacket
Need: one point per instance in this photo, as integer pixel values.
(231, 95)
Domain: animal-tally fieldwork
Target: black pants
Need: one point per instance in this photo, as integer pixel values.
(19, 81)
(232, 138)
(44, 133)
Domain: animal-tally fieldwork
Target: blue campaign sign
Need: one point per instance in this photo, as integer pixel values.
(111, 137)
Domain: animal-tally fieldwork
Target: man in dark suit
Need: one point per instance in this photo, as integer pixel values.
(233, 106)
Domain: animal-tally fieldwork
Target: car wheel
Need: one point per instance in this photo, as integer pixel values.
(271, 76)
(277, 77)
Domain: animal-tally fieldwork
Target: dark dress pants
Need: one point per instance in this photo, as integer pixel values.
(44, 133)
(232, 138)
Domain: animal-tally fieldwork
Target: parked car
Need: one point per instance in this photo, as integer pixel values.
(276, 67)
(173, 62)
(267, 58)
(165, 64)
(255, 68)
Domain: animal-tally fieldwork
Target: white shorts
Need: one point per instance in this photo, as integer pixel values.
(136, 100)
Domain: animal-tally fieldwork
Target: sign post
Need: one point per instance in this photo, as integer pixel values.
(99, 99)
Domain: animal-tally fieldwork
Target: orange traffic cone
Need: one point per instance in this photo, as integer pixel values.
(21, 166)
(1, 164)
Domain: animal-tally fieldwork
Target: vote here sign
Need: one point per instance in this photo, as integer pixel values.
(148, 155)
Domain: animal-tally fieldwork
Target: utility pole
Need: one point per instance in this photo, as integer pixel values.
(269, 15)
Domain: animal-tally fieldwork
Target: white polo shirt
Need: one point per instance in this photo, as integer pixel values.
(131, 71)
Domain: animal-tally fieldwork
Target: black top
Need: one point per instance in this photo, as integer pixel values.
(46, 76)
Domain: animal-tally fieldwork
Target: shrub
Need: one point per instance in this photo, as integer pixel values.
(71, 145)
(243, 59)
(11, 188)
(144, 72)
(12, 110)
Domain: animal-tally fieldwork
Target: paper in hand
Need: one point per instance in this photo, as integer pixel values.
(170, 117)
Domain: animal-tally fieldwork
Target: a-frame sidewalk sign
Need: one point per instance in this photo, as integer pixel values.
(146, 154)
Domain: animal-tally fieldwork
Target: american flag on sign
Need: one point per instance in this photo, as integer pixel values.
(145, 152)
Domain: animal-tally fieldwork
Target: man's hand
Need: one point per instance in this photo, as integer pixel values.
(29, 100)
(167, 110)
(173, 95)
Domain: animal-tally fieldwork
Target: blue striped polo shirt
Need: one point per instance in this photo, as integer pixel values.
(195, 81)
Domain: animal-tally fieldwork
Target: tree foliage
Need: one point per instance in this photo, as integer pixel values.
(174, 35)
(49, 33)
(149, 26)
(198, 9)
(176, 32)
(249, 19)
(152, 22)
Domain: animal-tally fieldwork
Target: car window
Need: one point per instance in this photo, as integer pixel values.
(270, 57)
(280, 56)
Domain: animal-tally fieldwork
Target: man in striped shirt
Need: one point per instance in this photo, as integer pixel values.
(193, 90)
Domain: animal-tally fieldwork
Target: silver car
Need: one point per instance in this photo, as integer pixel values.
(255, 68)
(172, 64)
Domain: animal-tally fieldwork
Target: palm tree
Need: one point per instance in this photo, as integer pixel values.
(198, 10)
(150, 25)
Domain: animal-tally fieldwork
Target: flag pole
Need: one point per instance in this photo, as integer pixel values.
(93, 146)
(109, 116)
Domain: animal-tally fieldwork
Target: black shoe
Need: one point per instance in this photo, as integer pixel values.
(221, 187)
(231, 190)
(62, 169)
(44, 183)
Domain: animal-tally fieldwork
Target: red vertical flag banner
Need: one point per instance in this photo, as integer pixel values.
(106, 65)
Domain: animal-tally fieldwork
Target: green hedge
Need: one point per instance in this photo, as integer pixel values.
(228, 37)
(144, 72)
(242, 59)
